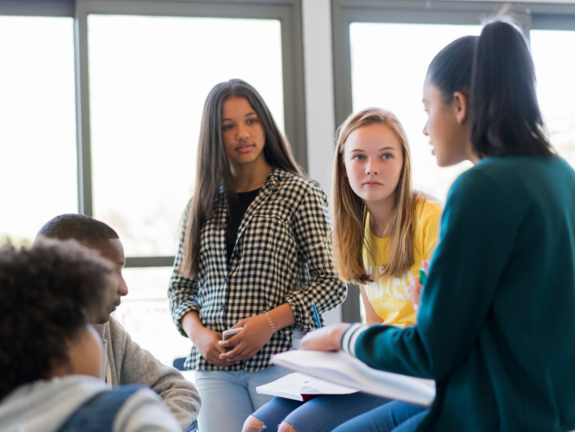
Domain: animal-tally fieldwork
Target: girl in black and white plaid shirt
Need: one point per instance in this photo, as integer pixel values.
(254, 252)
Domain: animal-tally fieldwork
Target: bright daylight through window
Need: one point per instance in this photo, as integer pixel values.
(394, 81)
(38, 134)
(149, 78)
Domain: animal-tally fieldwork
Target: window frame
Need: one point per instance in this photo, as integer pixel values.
(529, 16)
(292, 70)
(288, 12)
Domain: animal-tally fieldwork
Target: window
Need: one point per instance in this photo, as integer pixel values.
(38, 133)
(144, 313)
(149, 78)
(555, 69)
(101, 104)
(382, 51)
(393, 80)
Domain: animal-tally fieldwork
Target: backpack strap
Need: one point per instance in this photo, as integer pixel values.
(99, 412)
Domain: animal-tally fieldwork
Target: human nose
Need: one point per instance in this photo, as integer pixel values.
(371, 167)
(123, 288)
(242, 133)
(425, 128)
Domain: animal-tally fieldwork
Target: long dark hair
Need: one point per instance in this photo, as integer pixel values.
(496, 72)
(213, 168)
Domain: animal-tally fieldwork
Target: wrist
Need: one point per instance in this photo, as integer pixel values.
(191, 324)
(337, 333)
(270, 322)
(282, 316)
(350, 336)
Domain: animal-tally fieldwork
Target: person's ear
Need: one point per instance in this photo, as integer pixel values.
(460, 104)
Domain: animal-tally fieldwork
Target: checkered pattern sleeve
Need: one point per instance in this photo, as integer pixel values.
(183, 291)
(312, 229)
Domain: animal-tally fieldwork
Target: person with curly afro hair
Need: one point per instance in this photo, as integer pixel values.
(125, 362)
(51, 356)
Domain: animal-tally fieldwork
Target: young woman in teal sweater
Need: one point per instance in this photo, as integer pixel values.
(496, 326)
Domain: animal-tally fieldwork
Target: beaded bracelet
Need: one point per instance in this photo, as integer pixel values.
(271, 322)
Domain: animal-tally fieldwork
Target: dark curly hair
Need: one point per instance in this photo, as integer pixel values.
(48, 294)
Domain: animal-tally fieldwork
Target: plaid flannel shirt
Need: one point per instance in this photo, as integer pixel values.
(282, 254)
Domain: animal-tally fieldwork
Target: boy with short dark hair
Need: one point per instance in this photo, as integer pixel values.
(126, 362)
(50, 357)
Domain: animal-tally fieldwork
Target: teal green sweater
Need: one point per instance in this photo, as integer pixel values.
(496, 328)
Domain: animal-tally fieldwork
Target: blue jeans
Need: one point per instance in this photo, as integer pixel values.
(320, 414)
(229, 397)
(193, 427)
(394, 416)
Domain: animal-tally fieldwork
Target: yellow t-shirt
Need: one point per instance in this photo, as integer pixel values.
(387, 296)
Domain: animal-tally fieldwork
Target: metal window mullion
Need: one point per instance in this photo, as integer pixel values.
(293, 82)
(149, 261)
(37, 8)
(83, 136)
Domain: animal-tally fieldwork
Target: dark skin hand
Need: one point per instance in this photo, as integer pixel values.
(256, 333)
(205, 340)
(244, 345)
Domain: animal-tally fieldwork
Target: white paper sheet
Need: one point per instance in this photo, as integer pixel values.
(294, 385)
(342, 369)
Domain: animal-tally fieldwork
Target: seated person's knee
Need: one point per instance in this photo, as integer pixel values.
(286, 427)
(252, 424)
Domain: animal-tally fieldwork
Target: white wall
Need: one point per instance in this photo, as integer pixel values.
(320, 116)
(318, 73)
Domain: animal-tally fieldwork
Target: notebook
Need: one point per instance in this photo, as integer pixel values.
(345, 370)
(301, 387)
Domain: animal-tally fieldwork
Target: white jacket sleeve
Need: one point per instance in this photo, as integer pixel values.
(145, 411)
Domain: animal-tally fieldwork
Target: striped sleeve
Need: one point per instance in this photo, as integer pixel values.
(349, 338)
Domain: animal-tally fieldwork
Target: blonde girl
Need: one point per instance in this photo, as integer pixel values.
(383, 231)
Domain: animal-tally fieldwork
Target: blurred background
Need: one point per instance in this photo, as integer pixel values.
(100, 106)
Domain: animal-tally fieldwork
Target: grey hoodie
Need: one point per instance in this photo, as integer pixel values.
(44, 406)
(130, 364)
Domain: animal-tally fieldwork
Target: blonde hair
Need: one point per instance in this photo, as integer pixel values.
(350, 213)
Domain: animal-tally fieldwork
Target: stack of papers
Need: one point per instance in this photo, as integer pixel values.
(344, 370)
(301, 387)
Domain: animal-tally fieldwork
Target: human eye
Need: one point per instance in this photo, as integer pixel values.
(386, 156)
(359, 157)
(227, 127)
(252, 120)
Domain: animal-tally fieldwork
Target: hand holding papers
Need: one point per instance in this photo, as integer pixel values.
(342, 369)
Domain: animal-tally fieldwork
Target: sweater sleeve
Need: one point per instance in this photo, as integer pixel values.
(312, 229)
(183, 291)
(138, 366)
(477, 235)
